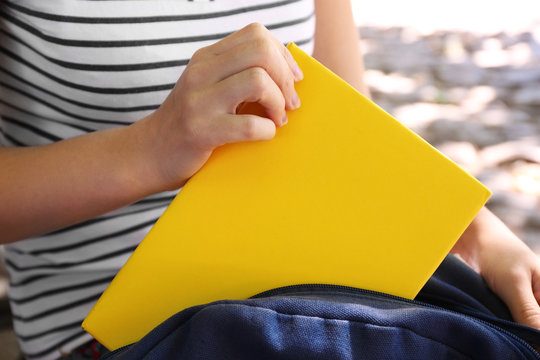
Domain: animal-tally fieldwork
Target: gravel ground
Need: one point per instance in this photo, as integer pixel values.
(475, 96)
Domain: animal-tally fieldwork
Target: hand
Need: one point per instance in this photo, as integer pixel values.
(512, 271)
(199, 114)
(510, 268)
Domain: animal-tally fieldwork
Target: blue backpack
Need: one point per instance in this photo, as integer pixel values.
(455, 316)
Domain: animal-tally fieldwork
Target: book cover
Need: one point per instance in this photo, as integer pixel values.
(344, 194)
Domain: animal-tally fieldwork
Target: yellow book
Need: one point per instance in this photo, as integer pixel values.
(344, 194)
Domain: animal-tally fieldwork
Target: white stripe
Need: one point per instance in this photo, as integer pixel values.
(169, 29)
(56, 282)
(137, 8)
(78, 235)
(109, 264)
(35, 327)
(79, 273)
(41, 305)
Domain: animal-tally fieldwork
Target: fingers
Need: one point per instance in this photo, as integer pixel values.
(235, 128)
(520, 298)
(536, 284)
(252, 85)
(200, 113)
(252, 32)
(257, 53)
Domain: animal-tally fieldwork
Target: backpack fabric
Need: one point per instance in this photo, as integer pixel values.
(455, 316)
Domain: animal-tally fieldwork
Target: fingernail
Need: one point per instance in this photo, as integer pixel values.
(297, 72)
(295, 101)
(284, 120)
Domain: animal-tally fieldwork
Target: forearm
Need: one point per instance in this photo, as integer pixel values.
(48, 187)
(337, 44)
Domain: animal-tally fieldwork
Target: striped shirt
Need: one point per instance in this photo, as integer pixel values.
(72, 67)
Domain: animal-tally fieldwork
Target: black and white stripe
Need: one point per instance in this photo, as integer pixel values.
(68, 68)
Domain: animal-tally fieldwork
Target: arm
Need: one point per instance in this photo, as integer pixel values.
(337, 44)
(509, 267)
(44, 188)
(48, 187)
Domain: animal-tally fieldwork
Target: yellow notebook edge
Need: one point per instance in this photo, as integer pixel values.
(474, 212)
(293, 48)
(86, 324)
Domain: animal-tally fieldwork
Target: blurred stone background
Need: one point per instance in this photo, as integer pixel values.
(474, 97)
(466, 78)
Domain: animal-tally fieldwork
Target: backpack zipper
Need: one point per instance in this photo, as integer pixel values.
(353, 291)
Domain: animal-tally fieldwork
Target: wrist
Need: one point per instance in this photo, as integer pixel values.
(470, 244)
(486, 234)
(164, 160)
(142, 165)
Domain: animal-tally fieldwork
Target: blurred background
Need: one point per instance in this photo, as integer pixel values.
(464, 75)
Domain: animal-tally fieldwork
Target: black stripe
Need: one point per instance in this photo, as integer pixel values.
(12, 139)
(76, 324)
(132, 43)
(41, 117)
(62, 111)
(304, 41)
(64, 265)
(57, 309)
(59, 290)
(57, 249)
(29, 280)
(91, 89)
(145, 19)
(99, 219)
(31, 128)
(100, 67)
(55, 347)
(78, 103)
(160, 199)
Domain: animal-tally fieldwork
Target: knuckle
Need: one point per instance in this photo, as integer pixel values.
(282, 102)
(257, 29)
(193, 74)
(529, 313)
(249, 128)
(198, 54)
(515, 274)
(257, 80)
(289, 85)
(262, 47)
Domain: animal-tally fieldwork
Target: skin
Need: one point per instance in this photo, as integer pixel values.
(43, 186)
(510, 268)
